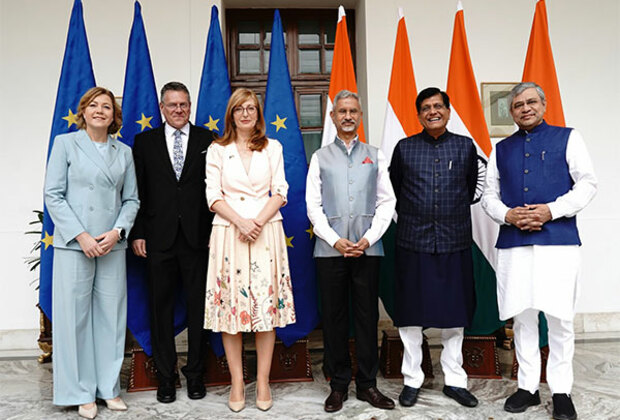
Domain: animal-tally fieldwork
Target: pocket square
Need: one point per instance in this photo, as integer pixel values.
(367, 160)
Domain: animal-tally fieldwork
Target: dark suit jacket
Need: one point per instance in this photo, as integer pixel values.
(165, 203)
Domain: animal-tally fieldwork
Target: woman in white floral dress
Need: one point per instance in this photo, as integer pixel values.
(248, 280)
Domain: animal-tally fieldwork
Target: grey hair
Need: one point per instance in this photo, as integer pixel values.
(174, 86)
(521, 87)
(344, 94)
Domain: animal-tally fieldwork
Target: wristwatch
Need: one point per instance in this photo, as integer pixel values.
(121, 233)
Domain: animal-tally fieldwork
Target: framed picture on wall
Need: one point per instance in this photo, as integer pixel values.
(497, 108)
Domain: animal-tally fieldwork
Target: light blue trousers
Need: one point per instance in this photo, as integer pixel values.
(89, 316)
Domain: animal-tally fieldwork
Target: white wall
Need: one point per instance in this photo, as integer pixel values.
(33, 33)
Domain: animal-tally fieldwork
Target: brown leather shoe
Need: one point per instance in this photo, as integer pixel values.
(375, 398)
(335, 400)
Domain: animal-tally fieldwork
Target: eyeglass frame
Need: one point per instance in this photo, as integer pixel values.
(250, 109)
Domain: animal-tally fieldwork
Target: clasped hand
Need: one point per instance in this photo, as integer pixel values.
(350, 249)
(249, 229)
(98, 246)
(530, 217)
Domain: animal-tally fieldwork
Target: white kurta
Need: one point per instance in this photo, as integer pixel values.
(543, 277)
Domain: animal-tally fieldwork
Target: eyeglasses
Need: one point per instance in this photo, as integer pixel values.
(172, 106)
(435, 107)
(250, 109)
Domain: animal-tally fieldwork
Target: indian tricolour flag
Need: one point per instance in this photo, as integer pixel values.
(540, 67)
(342, 77)
(401, 121)
(467, 118)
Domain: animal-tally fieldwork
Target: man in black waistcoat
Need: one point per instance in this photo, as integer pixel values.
(172, 232)
(434, 175)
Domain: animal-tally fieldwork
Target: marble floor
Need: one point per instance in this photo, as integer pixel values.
(26, 393)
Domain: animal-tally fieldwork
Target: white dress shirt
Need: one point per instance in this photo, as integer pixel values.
(384, 207)
(169, 131)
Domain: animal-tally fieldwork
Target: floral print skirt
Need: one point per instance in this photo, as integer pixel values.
(248, 284)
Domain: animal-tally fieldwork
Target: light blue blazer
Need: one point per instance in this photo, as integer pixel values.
(86, 191)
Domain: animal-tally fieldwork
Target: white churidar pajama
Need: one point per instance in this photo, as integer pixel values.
(451, 357)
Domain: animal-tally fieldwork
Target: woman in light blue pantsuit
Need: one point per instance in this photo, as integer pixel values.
(92, 197)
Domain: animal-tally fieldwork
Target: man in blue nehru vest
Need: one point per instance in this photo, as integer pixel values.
(350, 204)
(537, 180)
(434, 174)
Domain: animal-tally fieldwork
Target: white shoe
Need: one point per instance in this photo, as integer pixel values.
(88, 413)
(116, 404)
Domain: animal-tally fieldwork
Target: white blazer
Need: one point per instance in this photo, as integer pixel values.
(246, 192)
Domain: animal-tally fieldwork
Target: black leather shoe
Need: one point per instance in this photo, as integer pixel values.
(521, 400)
(196, 389)
(563, 408)
(460, 395)
(166, 392)
(375, 398)
(335, 400)
(408, 396)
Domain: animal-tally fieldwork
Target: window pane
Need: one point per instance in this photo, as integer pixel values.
(249, 62)
(267, 39)
(309, 61)
(249, 33)
(265, 61)
(310, 110)
(309, 32)
(330, 31)
(312, 142)
(329, 57)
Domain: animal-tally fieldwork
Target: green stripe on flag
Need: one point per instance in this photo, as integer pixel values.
(486, 317)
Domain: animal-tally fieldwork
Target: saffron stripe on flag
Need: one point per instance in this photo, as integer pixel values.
(342, 77)
(540, 67)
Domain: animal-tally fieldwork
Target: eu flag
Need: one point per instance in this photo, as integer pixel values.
(76, 77)
(283, 125)
(214, 83)
(212, 100)
(140, 113)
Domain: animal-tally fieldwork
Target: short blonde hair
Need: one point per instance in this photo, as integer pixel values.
(92, 93)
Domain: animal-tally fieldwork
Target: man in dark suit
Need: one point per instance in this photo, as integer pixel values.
(172, 232)
(434, 175)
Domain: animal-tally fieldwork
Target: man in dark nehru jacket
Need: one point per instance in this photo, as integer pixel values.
(350, 203)
(172, 232)
(434, 175)
(537, 180)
